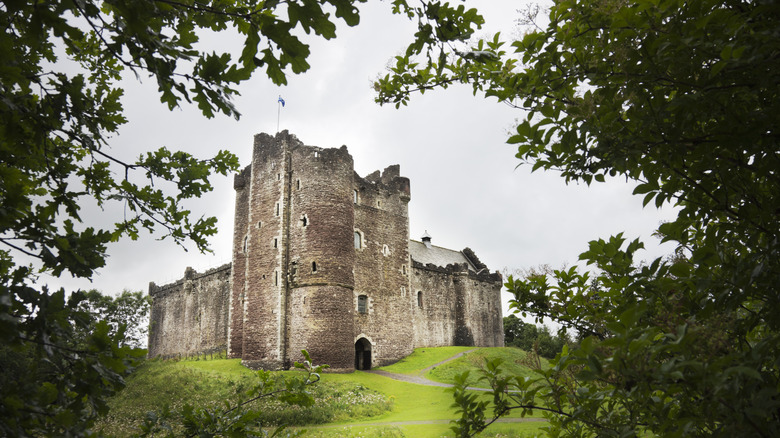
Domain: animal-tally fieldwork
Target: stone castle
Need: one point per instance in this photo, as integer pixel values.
(322, 261)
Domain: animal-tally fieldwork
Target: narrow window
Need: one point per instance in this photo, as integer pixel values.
(385, 250)
(298, 184)
(246, 243)
(403, 269)
(276, 278)
(277, 209)
(378, 203)
(304, 220)
(419, 299)
(276, 242)
(363, 304)
(355, 196)
(278, 176)
(403, 291)
(316, 154)
(313, 266)
(259, 224)
(358, 243)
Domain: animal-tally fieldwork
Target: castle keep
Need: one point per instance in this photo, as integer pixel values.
(322, 261)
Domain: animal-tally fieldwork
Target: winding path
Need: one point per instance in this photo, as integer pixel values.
(420, 380)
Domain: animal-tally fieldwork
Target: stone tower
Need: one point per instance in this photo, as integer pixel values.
(293, 256)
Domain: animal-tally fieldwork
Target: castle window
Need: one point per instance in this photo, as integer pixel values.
(378, 203)
(355, 196)
(277, 209)
(403, 269)
(259, 224)
(276, 278)
(298, 184)
(363, 304)
(316, 154)
(385, 250)
(246, 243)
(313, 266)
(304, 220)
(403, 291)
(358, 240)
(419, 299)
(276, 242)
(278, 176)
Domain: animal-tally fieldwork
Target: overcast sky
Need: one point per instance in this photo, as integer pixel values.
(466, 189)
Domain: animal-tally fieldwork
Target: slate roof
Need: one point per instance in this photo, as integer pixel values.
(436, 255)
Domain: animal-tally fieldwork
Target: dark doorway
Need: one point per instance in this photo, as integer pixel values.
(362, 354)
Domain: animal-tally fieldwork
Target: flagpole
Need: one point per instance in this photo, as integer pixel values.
(278, 112)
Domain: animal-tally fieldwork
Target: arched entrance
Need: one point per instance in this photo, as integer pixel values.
(362, 354)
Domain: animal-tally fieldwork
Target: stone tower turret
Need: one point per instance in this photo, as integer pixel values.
(292, 255)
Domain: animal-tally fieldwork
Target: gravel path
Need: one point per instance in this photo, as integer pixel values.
(419, 379)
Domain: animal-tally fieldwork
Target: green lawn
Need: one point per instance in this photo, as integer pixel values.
(422, 358)
(513, 363)
(380, 400)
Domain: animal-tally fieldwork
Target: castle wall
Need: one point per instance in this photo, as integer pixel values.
(457, 307)
(191, 315)
(382, 265)
(241, 242)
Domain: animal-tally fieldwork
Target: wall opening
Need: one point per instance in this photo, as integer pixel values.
(419, 299)
(298, 184)
(246, 244)
(355, 196)
(358, 240)
(304, 220)
(313, 266)
(363, 304)
(277, 209)
(362, 354)
(276, 243)
(385, 250)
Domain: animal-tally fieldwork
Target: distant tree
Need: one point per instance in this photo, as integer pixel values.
(683, 98)
(532, 338)
(128, 312)
(62, 62)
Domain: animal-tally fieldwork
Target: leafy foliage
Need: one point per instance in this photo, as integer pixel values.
(682, 98)
(238, 418)
(127, 312)
(530, 337)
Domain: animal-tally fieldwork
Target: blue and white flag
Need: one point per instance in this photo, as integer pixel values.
(281, 100)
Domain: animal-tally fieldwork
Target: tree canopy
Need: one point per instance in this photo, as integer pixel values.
(680, 97)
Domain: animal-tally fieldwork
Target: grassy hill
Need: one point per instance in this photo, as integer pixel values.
(347, 405)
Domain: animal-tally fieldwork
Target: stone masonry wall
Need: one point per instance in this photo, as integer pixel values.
(321, 256)
(457, 307)
(191, 315)
(381, 265)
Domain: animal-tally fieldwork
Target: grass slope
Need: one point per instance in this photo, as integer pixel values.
(513, 362)
(359, 404)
